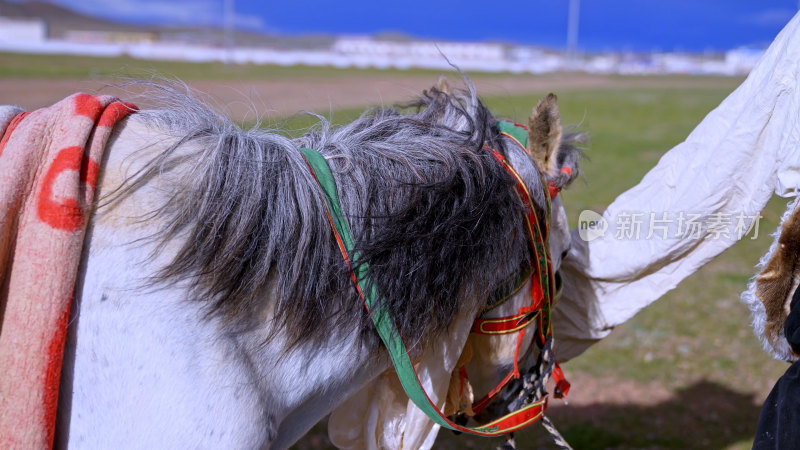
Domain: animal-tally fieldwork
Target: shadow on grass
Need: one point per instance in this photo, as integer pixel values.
(704, 415)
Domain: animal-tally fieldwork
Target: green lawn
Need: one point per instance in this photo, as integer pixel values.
(17, 65)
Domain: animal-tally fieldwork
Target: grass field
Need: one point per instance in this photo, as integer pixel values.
(687, 371)
(77, 66)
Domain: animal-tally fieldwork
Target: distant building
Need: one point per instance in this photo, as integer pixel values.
(743, 59)
(93, 37)
(419, 50)
(525, 59)
(22, 30)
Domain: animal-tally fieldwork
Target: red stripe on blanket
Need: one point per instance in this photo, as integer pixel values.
(88, 105)
(115, 112)
(66, 213)
(55, 359)
(11, 126)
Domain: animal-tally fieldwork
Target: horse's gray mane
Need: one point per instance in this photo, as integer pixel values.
(433, 214)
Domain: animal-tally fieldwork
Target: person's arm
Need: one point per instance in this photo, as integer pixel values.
(727, 169)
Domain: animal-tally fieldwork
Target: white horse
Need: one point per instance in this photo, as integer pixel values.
(212, 308)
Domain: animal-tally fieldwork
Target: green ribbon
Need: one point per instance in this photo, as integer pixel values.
(519, 133)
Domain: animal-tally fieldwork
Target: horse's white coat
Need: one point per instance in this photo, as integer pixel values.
(149, 371)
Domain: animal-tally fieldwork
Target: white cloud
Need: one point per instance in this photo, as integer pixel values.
(770, 17)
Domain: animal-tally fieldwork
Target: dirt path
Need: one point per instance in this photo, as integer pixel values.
(250, 100)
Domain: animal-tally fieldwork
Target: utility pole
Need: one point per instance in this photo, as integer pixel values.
(228, 14)
(572, 33)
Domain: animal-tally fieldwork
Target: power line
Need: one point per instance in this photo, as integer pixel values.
(573, 22)
(229, 13)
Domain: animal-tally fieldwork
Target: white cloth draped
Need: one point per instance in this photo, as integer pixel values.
(725, 171)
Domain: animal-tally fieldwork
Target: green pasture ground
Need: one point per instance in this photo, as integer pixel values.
(19, 65)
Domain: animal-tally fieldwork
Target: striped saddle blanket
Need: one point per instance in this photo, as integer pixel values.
(49, 166)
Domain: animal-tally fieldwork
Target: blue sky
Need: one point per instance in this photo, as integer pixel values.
(694, 25)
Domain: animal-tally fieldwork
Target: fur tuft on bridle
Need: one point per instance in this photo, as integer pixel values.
(432, 213)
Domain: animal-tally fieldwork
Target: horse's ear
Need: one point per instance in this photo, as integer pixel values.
(442, 85)
(544, 134)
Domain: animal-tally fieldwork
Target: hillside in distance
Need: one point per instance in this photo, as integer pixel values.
(60, 20)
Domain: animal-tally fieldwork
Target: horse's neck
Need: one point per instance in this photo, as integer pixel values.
(144, 368)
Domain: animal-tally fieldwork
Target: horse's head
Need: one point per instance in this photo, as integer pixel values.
(463, 236)
(550, 158)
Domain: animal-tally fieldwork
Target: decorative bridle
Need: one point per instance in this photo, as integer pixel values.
(532, 399)
(543, 287)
